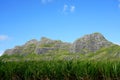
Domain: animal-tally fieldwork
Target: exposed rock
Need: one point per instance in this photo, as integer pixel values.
(33, 41)
(86, 44)
(45, 45)
(27, 48)
(16, 50)
(30, 46)
(43, 50)
(90, 43)
(39, 47)
(9, 51)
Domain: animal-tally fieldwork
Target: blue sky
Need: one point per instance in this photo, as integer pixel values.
(66, 20)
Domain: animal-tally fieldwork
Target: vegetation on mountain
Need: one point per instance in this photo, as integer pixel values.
(87, 44)
(91, 57)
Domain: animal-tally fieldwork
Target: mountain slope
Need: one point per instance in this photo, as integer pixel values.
(112, 52)
(45, 45)
(90, 43)
(87, 44)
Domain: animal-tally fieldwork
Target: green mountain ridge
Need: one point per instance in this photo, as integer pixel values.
(89, 47)
(86, 44)
(109, 53)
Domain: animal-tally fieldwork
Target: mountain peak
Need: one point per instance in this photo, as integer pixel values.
(32, 41)
(97, 34)
(86, 44)
(45, 38)
(90, 43)
(94, 35)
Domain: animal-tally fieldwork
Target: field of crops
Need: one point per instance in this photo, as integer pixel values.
(102, 65)
(60, 70)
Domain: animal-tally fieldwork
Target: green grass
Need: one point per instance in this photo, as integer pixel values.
(62, 65)
(60, 70)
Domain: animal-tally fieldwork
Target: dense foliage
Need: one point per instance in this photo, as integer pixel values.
(62, 65)
(60, 70)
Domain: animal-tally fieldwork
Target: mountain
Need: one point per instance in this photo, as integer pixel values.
(90, 43)
(112, 52)
(45, 45)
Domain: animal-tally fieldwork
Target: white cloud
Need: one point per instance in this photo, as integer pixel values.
(1, 52)
(3, 37)
(46, 1)
(65, 8)
(119, 5)
(68, 8)
(43, 1)
(117, 43)
(50, 0)
(72, 8)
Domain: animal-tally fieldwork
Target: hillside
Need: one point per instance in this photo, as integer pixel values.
(91, 57)
(86, 44)
(89, 47)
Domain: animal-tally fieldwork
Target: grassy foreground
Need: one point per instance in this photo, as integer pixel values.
(62, 65)
(60, 70)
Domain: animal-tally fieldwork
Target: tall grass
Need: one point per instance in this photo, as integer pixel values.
(60, 70)
(62, 65)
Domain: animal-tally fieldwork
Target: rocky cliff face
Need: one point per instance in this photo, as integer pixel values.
(45, 45)
(86, 44)
(27, 48)
(90, 43)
